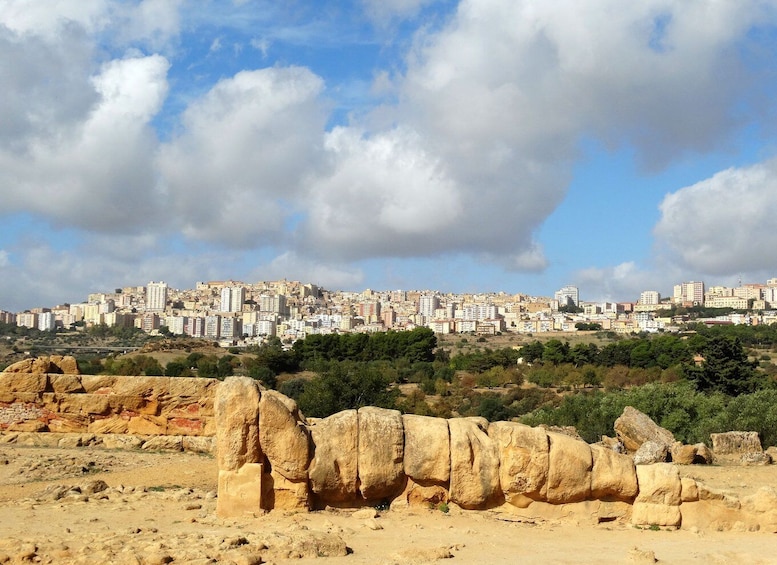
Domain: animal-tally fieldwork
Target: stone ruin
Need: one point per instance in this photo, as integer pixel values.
(271, 458)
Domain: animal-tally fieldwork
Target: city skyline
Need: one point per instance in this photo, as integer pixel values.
(467, 146)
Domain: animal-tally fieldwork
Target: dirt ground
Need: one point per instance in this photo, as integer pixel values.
(89, 505)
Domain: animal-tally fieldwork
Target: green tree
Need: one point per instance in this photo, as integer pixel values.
(725, 368)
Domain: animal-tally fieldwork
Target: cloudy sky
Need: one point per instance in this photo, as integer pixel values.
(478, 145)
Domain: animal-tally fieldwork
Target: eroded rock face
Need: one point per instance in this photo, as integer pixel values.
(334, 468)
(660, 495)
(237, 423)
(40, 365)
(613, 475)
(474, 465)
(381, 453)
(735, 443)
(523, 461)
(283, 436)
(634, 428)
(427, 449)
(569, 469)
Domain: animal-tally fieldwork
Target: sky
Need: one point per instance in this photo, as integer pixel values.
(462, 146)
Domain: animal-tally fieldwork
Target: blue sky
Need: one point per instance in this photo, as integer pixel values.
(478, 145)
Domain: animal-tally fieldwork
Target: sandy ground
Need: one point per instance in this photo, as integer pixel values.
(98, 506)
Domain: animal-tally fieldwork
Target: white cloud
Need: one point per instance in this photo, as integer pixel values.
(382, 12)
(5, 258)
(623, 282)
(92, 170)
(242, 153)
(295, 267)
(723, 225)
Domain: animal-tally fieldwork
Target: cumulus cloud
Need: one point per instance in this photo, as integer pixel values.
(326, 274)
(94, 170)
(724, 224)
(238, 161)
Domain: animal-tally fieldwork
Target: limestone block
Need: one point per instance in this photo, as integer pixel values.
(613, 475)
(163, 443)
(281, 493)
(419, 495)
(427, 448)
(523, 461)
(67, 383)
(648, 514)
(333, 469)
(283, 437)
(474, 466)
(109, 425)
(689, 490)
(237, 423)
(729, 443)
(659, 484)
(84, 404)
(67, 364)
(69, 423)
(184, 427)
(634, 428)
(381, 448)
(122, 441)
(569, 469)
(651, 452)
(94, 383)
(683, 454)
(240, 491)
(22, 382)
(199, 444)
(147, 425)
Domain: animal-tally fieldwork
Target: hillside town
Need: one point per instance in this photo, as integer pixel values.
(236, 313)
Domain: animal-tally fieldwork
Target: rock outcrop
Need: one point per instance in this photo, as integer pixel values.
(735, 443)
(59, 364)
(633, 428)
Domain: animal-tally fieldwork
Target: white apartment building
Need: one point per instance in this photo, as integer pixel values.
(46, 321)
(649, 297)
(233, 298)
(156, 296)
(688, 292)
(567, 296)
(427, 304)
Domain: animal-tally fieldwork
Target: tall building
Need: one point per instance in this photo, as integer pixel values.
(156, 296)
(233, 298)
(649, 298)
(567, 296)
(688, 293)
(427, 304)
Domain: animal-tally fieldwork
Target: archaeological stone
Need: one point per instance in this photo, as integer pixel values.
(735, 443)
(333, 470)
(523, 461)
(634, 428)
(474, 465)
(283, 436)
(381, 449)
(427, 449)
(237, 422)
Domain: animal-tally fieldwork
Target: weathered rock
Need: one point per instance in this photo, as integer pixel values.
(523, 461)
(66, 363)
(659, 484)
(281, 493)
(147, 425)
(634, 428)
(704, 455)
(381, 448)
(613, 475)
(427, 449)
(163, 443)
(660, 494)
(283, 436)
(474, 466)
(198, 444)
(772, 451)
(689, 490)
(67, 383)
(756, 458)
(44, 364)
(729, 443)
(109, 425)
(651, 452)
(22, 381)
(237, 423)
(240, 491)
(683, 454)
(420, 495)
(569, 469)
(68, 423)
(120, 441)
(613, 443)
(333, 469)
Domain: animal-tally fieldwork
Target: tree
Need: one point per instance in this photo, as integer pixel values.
(725, 368)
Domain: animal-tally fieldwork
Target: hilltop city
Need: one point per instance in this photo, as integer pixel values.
(236, 313)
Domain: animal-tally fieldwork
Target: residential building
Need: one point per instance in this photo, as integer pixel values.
(156, 296)
(567, 296)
